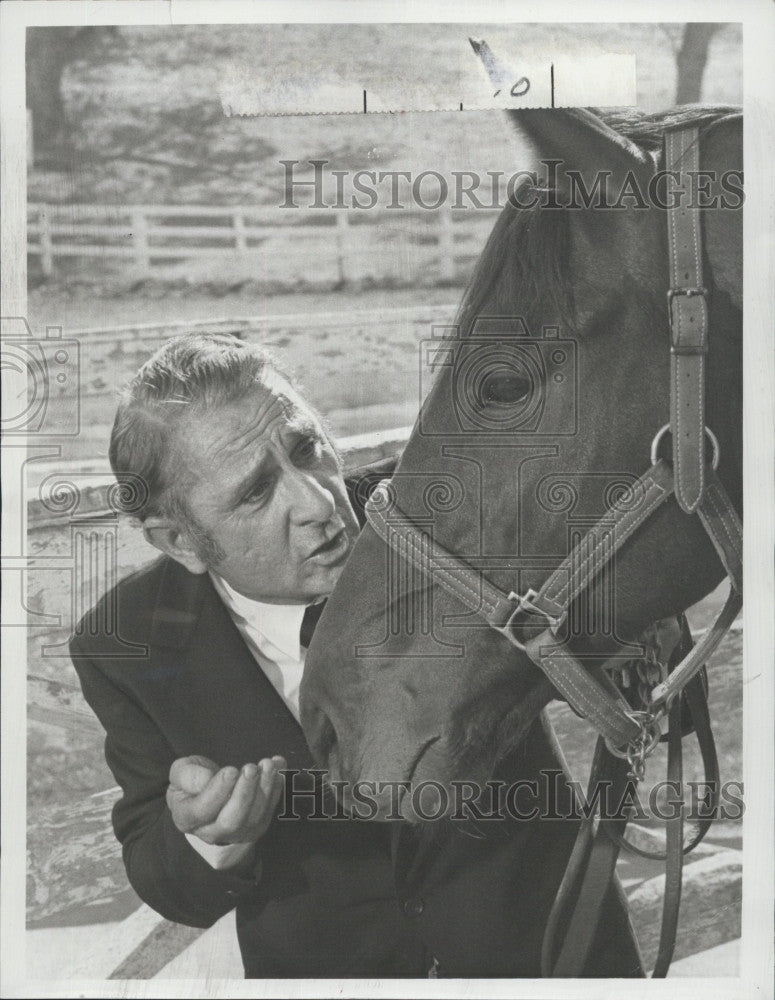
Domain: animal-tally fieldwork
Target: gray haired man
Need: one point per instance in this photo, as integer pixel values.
(247, 502)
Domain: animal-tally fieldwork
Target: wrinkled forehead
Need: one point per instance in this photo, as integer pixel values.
(284, 402)
(219, 435)
(272, 401)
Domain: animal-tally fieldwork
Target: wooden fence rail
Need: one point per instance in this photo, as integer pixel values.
(153, 235)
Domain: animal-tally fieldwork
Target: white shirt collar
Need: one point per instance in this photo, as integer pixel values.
(279, 623)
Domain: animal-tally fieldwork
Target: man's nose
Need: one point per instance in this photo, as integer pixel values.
(310, 499)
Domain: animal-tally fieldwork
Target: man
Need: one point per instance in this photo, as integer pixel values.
(245, 498)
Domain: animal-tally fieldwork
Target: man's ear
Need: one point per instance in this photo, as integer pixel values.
(165, 535)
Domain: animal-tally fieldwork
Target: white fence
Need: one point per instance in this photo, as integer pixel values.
(445, 240)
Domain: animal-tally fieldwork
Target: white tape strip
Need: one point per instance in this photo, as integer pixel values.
(603, 81)
(597, 79)
(600, 80)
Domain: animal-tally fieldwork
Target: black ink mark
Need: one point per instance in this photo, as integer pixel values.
(364, 102)
(496, 93)
(552, 76)
(521, 87)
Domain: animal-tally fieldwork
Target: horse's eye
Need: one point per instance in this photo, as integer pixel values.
(505, 388)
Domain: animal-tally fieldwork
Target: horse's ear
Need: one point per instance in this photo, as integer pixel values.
(581, 141)
(575, 136)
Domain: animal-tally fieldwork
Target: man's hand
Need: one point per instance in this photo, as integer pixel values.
(224, 805)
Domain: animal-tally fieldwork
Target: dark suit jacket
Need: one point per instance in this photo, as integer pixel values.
(167, 673)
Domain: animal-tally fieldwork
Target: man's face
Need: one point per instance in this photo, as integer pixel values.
(265, 484)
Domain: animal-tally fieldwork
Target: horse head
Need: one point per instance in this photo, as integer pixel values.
(545, 398)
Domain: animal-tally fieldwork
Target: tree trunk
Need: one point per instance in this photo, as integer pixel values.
(49, 52)
(691, 59)
(47, 56)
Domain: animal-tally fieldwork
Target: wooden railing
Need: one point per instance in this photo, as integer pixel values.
(445, 240)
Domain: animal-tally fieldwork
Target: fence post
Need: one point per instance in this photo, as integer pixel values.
(46, 243)
(446, 245)
(240, 235)
(140, 241)
(342, 244)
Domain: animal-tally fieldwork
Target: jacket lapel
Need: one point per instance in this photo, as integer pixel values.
(191, 626)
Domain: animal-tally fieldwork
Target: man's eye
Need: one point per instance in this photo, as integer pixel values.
(306, 449)
(259, 491)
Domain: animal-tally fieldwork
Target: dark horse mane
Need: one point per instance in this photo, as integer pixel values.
(646, 130)
(535, 242)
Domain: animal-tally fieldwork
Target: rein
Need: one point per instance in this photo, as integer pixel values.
(532, 622)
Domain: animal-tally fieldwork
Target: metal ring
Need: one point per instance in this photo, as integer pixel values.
(661, 433)
(716, 447)
(615, 751)
(650, 731)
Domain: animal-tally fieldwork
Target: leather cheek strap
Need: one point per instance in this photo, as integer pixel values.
(688, 309)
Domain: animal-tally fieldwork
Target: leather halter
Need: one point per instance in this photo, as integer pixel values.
(591, 696)
(531, 622)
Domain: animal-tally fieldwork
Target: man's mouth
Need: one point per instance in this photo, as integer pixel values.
(330, 552)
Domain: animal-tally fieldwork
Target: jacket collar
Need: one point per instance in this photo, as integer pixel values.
(178, 605)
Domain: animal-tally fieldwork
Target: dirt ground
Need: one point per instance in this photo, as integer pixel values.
(73, 310)
(356, 355)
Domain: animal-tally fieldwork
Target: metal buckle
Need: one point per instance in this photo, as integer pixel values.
(525, 602)
(663, 430)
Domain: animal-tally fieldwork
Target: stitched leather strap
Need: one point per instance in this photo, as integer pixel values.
(575, 574)
(592, 696)
(598, 863)
(722, 524)
(674, 848)
(436, 563)
(688, 308)
(700, 717)
(596, 854)
(704, 649)
(578, 858)
(724, 527)
(602, 864)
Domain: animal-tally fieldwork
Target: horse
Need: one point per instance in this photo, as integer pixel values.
(548, 398)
